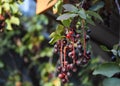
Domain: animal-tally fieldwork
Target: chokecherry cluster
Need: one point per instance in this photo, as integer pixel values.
(72, 51)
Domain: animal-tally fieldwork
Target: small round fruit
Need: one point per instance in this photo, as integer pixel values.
(61, 75)
(64, 81)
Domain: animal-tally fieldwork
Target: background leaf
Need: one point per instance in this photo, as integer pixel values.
(95, 15)
(97, 6)
(107, 69)
(104, 48)
(1, 64)
(111, 82)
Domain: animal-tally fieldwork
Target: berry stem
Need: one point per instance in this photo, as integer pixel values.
(61, 55)
(73, 52)
(64, 55)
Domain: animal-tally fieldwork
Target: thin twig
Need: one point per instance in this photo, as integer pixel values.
(81, 5)
(118, 6)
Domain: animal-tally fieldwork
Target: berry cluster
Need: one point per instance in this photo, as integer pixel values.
(73, 52)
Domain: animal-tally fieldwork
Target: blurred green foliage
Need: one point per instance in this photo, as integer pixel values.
(26, 38)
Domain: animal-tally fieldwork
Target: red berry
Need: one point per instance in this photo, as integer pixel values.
(70, 32)
(61, 75)
(68, 74)
(74, 69)
(68, 36)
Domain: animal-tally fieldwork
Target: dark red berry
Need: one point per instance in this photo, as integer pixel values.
(68, 74)
(88, 31)
(80, 54)
(78, 36)
(113, 58)
(64, 81)
(70, 54)
(71, 66)
(84, 61)
(79, 46)
(74, 69)
(55, 46)
(55, 50)
(78, 62)
(70, 32)
(88, 53)
(87, 37)
(59, 68)
(64, 69)
(64, 42)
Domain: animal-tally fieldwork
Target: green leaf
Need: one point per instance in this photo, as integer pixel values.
(70, 7)
(104, 48)
(14, 8)
(111, 82)
(46, 52)
(66, 23)
(60, 29)
(8, 27)
(52, 34)
(114, 52)
(15, 20)
(58, 7)
(107, 69)
(90, 21)
(1, 64)
(0, 10)
(66, 16)
(97, 6)
(94, 14)
(6, 6)
(82, 13)
(55, 39)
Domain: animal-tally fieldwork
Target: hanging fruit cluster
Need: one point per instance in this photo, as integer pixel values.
(72, 52)
(71, 38)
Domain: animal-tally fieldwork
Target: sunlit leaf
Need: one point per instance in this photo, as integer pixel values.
(60, 29)
(0, 10)
(66, 23)
(58, 7)
(8, 27)
(14, 7)
(15, 20)
(57, 82)
(52, 34)
(6, 6)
